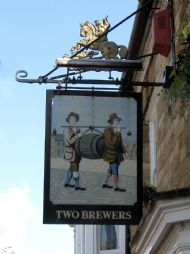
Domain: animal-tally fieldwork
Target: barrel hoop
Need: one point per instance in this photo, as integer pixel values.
(92, 143)
(97, 146)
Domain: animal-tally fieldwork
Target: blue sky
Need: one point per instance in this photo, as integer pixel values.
(33, 34)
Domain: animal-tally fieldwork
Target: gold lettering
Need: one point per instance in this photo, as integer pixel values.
(58, 214)
(122, 215)
(114, 215)
(67, 214)
(99, 215)
(107, 214)
(92, 215)
(84, 214)
(75, 214)
(128, 215)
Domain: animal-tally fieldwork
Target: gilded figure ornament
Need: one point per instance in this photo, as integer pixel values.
(91, 32)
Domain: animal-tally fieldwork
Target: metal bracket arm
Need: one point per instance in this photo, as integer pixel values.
(99, 64)
(21, 77)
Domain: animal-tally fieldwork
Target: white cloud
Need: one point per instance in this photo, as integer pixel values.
(16, 213)
(21, 226)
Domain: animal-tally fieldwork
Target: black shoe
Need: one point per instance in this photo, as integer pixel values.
(69, 185)
(80, 188)
(107, 186)
(119, 189)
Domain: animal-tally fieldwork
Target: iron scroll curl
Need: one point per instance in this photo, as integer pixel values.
(21, 77)
(21, 74)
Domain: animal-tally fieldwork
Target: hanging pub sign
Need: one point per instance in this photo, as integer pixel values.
(93, 158)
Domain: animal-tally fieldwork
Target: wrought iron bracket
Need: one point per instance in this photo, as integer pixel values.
(22, 74)
(77, 66)
(115, 83)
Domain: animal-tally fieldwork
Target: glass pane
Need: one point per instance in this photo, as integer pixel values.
(108, 237)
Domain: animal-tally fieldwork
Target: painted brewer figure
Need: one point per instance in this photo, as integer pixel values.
(71, 134)
(114, 151)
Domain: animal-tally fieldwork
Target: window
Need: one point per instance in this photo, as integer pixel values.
(111, 239)
(108, 235)
(101, 239)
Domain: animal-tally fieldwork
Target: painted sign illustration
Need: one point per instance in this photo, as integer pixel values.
(92, 158)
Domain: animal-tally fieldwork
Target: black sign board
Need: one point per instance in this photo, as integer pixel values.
(93, 158)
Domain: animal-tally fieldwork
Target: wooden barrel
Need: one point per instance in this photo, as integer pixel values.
(90, 146)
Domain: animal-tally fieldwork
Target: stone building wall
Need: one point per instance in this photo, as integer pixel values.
(166, 135)
(171, 128)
